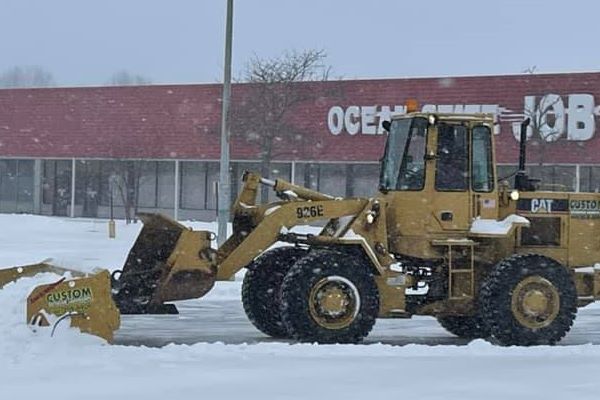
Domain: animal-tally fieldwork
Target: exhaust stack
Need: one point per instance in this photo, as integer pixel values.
(522, 181)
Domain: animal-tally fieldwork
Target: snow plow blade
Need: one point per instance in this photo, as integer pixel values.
(168, 262)
(9, 275)
(86, 302)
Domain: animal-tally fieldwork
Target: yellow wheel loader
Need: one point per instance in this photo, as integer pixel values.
(443, 237)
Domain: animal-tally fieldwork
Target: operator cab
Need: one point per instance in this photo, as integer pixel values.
(439, 170)
(406, 152)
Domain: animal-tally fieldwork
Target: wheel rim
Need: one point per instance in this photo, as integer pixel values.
(535, 302)
(334, 302)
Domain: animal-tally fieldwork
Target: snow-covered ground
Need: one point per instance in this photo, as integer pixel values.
(219, 355)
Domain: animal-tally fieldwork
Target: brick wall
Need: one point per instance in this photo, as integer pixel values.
(182, 121)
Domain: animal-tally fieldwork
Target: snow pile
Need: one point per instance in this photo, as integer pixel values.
(281, 371)
(13, 296)
(17, 337)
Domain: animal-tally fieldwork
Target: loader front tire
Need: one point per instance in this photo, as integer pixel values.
(329, 297)
(261, 289)
(529, 300)
(466, 327)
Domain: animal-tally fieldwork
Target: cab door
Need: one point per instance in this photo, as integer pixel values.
(483, 182)
(451, 205)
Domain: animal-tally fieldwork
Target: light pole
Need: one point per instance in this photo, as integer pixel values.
(224, 192)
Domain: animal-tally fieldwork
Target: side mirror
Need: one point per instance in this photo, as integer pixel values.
(386, 125)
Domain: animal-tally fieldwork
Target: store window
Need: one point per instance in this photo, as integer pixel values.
(507, 173)
(559, 178)
(16, 185)
(87, 186)
(589, 179)
(332, 179)
(193, 185)
(212, 178)
(358, 180)
(56, 185)
(364, 179)
(146, 185)
(307, 175)
(166, 184)
(8, 185)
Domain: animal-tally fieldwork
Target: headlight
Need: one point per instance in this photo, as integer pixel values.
(514, 195)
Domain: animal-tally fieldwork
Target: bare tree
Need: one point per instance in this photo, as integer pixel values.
(26, 77)
(124, 182)
(543, 125)
(542, 120)
(126, 78)
(126, 175)
(530, 70)
(261, 116)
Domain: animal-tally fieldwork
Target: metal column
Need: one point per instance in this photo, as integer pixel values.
(577, 178)
(293, 173)
(37, 186)
(176, 196)
(73, 167)
(224, 181)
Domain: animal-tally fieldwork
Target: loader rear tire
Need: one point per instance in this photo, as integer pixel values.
(261, 289)
(329, 297)
(529, 300)
(466, 327)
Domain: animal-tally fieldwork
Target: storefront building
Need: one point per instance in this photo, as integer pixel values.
(74, 151)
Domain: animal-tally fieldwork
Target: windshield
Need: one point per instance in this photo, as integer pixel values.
(402, 166)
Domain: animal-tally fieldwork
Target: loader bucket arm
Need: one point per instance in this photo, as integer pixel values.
(267, 232)
(247, 215)
(257, 227)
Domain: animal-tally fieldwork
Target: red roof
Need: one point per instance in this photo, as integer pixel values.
(183, 121)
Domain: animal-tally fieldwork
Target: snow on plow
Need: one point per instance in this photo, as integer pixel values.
(12, 274)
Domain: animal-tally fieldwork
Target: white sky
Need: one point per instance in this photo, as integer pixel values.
(181, 41)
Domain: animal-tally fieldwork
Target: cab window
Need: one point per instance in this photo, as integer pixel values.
(483, 171)
(452, 158)
(412, 168)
